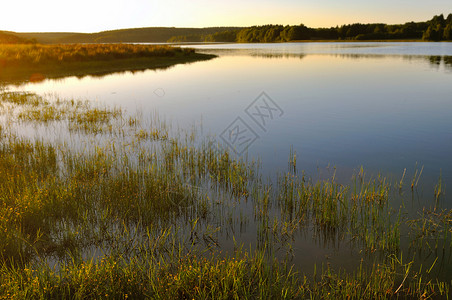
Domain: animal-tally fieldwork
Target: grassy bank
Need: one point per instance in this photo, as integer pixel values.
(243, 276)
(35, 62)
(97, 202)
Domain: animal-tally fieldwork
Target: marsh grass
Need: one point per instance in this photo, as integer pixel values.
(36, 62)
(35, 55)
(145, 185)
(139, 209)
(191, 276)
(362, 212)
(433, 229)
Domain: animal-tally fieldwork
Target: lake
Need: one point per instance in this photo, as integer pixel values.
(385, 107)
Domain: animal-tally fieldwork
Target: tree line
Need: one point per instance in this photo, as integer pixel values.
(437, 29)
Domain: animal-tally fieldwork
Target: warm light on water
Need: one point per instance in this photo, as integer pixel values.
(354, 142)
(385, 106)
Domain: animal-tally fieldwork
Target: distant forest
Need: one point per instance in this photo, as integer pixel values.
(438, 28)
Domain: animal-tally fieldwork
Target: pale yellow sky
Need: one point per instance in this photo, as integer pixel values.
(93, 16)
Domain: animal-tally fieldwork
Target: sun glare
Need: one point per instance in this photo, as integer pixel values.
(93, 16)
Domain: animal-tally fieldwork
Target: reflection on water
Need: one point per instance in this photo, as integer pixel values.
(436, 60)
(381, 109)
(19, 77)
(386, 107)
(361, 48)
(439, 61)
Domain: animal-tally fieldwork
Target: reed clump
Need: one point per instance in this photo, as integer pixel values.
(35, 62)
(33, 55)
(243, 276)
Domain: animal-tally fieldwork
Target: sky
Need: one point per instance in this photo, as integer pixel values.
(99, 15)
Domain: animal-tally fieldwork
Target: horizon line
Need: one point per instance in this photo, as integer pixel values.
(219, 26)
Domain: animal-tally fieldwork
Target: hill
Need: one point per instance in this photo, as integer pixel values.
(132, 35)
(7, 37)
(46, 37)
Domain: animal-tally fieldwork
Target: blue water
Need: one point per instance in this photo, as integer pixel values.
(383, 106)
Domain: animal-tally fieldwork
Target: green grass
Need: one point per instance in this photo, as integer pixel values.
(35, 62)
(189, 277)
(241, 276)
(113, 204)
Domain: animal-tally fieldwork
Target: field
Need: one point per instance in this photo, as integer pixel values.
(20, 63)
(98, 202)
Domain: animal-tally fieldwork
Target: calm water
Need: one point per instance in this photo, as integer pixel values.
(383, 106)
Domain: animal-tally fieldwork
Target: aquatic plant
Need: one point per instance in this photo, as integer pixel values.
(112, 204)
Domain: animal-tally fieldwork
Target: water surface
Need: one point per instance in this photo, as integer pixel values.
(383, 106)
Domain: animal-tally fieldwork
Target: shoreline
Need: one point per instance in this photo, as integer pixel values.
(43, 64)
(19, 76)
(300, 41)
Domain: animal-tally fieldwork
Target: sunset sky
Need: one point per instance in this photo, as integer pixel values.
(98, 15)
